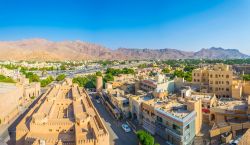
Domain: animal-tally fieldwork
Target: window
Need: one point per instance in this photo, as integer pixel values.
(159, 119)
(227, 89)
(187, 136)
(167, 124)
(227, 76)
(211, 76)
(187, 127)
(175, 127)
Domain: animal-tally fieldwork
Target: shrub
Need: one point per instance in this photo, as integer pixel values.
(145, 138)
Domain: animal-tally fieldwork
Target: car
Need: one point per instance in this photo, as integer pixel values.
(97, 101)
(126, 128)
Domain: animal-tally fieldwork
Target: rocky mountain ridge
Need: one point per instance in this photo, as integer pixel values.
(41, 49)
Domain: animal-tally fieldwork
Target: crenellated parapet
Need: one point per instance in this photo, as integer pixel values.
(64, 115)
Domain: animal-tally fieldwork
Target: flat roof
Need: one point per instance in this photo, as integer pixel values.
(7, 87)
(175, 108)
(233, 105)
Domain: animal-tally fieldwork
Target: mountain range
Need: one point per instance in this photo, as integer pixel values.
(41, 49)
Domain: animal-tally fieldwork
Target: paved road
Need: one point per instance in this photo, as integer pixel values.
(72, 73)
(117, 134)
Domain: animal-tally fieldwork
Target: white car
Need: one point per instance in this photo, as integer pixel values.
(126, 128)
(97, 101)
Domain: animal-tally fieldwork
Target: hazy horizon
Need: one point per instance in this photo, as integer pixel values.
(187, 25)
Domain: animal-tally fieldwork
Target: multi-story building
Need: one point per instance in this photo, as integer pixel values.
(176, 121)
(120, 100)
(135, 102)
(63, 115)
(240, 89)
(216, 79)
(158, 84)
(207, 101)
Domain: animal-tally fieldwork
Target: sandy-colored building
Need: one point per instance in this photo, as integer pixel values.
(216, 79)
(135, 102)
(229, 111)
(208, 101)
(64, 115)
(240, 89)
(10, 97)
(177, 121)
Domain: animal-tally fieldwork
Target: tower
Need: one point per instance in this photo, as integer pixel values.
(99, 84)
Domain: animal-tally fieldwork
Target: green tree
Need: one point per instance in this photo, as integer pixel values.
(32, 77)
(86, 81)
(60, 77)
(246, 77)
(145, 138)
(63, 67)
(165, 70)
(186, 75)
(46, 81)
(98, 73)
(108, 77)
(6, 79)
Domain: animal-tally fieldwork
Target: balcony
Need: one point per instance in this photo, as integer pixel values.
(168, 130)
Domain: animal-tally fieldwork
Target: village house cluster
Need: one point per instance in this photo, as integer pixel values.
(176, 109)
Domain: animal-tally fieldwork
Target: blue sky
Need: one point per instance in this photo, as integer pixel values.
(182, 24)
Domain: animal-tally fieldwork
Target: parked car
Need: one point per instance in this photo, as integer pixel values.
(97, 101)
(126, 128)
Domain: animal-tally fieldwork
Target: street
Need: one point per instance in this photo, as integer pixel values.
(117, 135)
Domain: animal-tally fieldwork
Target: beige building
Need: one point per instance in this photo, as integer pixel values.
(240, 89)
(64, 115)
(229, 111)
(158, 86)
(10, 99)
(208, 101)
(120, 100)
(177, 121)
(216, 79)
